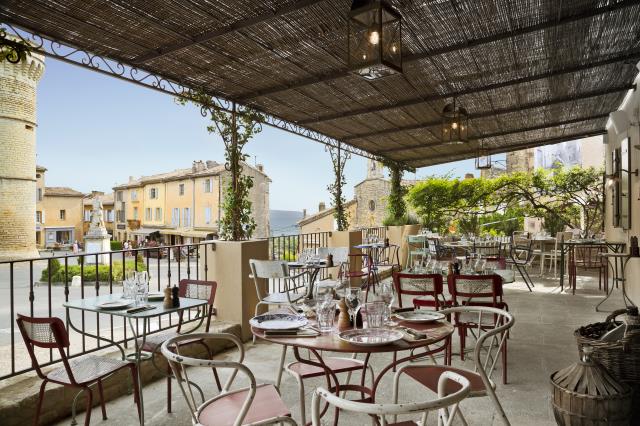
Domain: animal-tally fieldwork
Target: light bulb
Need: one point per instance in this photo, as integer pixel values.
(364, 57)
(454, 125)
(394, 49)
(374, 37)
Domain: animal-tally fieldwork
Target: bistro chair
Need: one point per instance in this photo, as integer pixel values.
(193, 289)
(251, 405)
(360, 266)
(521, 257)
(49, 333)
(301, 371)
(340, 256)
(553, 256)
(277, 270)
(588, 257)
(489, 249)
(491, 328)
(428, 289)
(417, 246)
(384, 413)
(477, 290)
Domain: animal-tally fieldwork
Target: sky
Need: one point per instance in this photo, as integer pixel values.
(95, 131)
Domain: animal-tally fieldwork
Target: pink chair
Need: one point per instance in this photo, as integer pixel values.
(49, 333)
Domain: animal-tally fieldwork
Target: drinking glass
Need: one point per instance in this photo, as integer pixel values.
(322, 293)
(128, 285)
(374, 314)
(387, 296)
(416, 265)
(353, 299)
(326, 313)
(142, 287)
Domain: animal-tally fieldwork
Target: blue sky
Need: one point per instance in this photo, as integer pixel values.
(95, 130)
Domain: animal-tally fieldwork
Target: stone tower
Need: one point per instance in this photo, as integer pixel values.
(520, 161)
(374, 169)
(18, 156)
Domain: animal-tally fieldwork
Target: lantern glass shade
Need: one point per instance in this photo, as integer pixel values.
(483, 159)
(455, 124)
(375, 39)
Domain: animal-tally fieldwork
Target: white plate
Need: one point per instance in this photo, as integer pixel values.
(156, 295)
(371, 336)
(278, 321)
(115, 304)
(419, 316)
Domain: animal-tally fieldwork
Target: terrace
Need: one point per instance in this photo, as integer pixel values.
(528, 74)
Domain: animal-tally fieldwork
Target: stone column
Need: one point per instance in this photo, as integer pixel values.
(18, 156)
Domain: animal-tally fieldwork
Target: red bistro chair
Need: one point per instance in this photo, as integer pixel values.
(428, 288)
(80, 373)
(193, 289)
(361, 266)
(478, 290)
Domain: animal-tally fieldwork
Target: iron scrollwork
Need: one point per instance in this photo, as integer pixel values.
(12, 50)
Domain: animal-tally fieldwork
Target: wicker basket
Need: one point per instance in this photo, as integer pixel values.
(621, 358)
(585, 394)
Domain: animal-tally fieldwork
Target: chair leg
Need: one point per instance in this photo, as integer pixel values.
(504, 362)
(169, 374)
(40, 400)
(87, 417)
(136, 389)
(101, 395)
(303, 414)
(463, 335)
(281, 366)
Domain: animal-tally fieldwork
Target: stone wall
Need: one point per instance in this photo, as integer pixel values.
(18, 156)
(371, 202)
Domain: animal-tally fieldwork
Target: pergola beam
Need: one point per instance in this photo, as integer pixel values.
(516, 147)
(448, 49)
(625, 57)
(497, 112)
(211, 35)
(498, 134)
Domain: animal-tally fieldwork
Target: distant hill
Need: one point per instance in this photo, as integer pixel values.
(284, 222)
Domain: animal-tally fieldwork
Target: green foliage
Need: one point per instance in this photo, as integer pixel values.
(338, 159)
(235, 127)
(116, 245)
(404, 220)
(89, 272)
(560, 196)
(396, 206)
(13, 48)
(55, 266)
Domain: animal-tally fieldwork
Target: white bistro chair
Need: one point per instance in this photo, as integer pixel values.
(387, 412)
(490, 331)
(278, 270)
(252, 405)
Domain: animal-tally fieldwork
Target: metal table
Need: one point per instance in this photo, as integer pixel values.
(566, 246)
(89, 304)
(624, 259)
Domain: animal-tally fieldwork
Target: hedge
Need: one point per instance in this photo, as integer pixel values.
(89, 272)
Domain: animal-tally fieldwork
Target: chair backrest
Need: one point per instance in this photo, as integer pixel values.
(489, 248)
(46, 332)
(587, 255)
(418, 284)
(267, 269)
(521, 249)
(475, 287)
(493, 324)
(390, 410)
(340, 254)
(201, 290)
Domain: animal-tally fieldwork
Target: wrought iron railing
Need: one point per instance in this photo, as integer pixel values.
(31, 291)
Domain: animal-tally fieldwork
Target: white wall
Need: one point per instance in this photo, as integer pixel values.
(630, 106)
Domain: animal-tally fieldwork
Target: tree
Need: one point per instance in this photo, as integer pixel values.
(13, 49)
(339, 158)
(235, 127)
(396, 205)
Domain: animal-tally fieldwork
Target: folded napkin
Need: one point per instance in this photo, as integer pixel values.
(306, 332)
(411, 335)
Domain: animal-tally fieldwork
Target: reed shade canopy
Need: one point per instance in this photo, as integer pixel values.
(530, 72)
(375, 39)
(483, 158)
(455, 124)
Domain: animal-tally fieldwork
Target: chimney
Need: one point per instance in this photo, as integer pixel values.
(468, 176)
(260, 167)
(194, 167)
(321, 206)
(304, 213)
(211, 164)
(131, 178)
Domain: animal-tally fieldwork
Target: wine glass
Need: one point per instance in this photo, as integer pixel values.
(353, 299)
(387, 295)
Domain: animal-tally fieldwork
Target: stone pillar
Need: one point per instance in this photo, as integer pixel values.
(18, 156)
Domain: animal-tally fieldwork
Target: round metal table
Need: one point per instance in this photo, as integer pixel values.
(436, 332)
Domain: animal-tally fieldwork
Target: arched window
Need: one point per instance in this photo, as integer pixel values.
(372, 205)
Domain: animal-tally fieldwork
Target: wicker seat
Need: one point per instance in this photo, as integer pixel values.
(79, 372)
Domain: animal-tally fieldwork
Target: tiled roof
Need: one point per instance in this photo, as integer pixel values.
(322, 214)
(61, 191)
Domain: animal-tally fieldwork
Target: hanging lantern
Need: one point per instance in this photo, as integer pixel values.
(375, 39)
(455, 124)
(483, 159)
